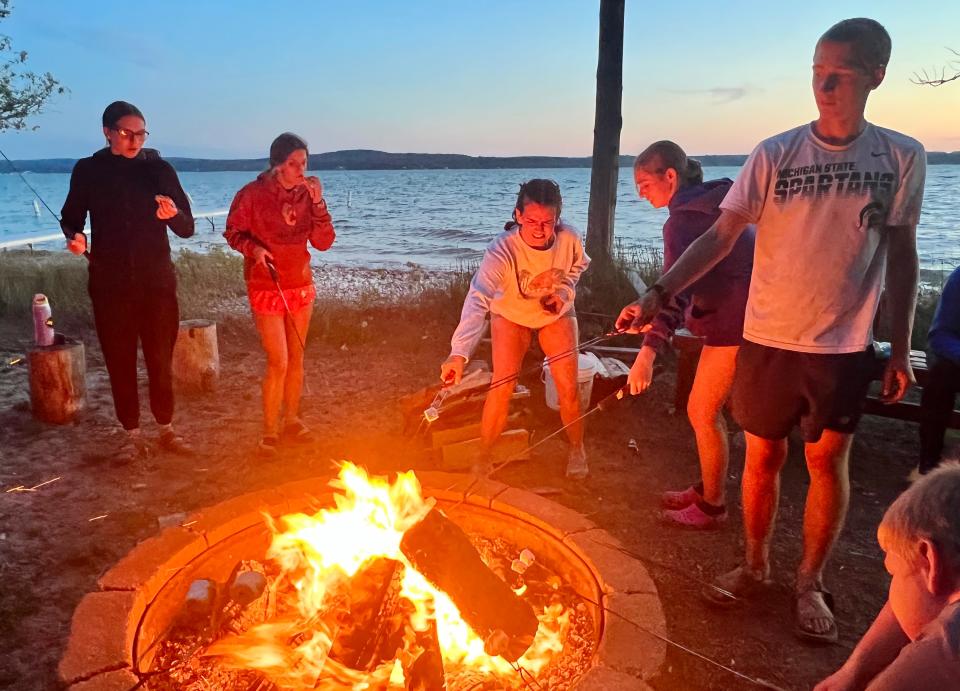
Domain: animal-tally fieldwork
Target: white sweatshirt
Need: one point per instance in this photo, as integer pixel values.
(512, 279)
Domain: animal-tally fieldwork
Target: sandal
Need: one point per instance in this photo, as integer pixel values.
(297, 432)
(268, 445)
(733, 588)
(809, 605)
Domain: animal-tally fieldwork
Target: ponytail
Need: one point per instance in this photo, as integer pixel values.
(663, 155)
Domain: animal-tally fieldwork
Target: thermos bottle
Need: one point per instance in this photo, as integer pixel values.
(42, 321)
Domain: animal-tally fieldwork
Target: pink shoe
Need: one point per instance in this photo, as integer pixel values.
(681, 499)
(692, 516)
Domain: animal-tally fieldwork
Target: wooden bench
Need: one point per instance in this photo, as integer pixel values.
(688, 349)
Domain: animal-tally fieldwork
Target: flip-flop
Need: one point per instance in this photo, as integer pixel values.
(268, 446)
(297, 432)
(733, 589)
(804, 633)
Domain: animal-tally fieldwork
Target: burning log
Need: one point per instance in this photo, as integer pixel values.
(425, 671)
(373, 632)
(440, 550)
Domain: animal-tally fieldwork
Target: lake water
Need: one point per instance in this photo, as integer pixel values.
(442, 218)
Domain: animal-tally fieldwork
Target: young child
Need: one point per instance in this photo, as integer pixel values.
(526, 282)
(914, 643)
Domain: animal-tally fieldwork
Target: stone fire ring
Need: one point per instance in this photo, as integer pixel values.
(105, 651)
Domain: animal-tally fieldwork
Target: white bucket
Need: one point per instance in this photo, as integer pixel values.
(588, 365)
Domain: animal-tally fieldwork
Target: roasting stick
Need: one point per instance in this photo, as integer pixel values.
(602, 403)
(432, 413)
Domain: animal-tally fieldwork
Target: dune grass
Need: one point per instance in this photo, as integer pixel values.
(211, 285)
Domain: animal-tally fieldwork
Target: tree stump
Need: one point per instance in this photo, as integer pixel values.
(58, 380)
(196, 358)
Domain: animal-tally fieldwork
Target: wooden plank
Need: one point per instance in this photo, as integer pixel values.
(512, 445)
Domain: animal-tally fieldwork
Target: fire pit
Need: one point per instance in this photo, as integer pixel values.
(597, 608)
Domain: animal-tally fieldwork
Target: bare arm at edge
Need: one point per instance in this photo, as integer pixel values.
(879, 647)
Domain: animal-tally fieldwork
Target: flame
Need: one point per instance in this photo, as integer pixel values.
(319, 555)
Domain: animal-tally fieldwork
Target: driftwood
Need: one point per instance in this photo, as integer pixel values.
(442, 552)
(58, 386)
(196, 357)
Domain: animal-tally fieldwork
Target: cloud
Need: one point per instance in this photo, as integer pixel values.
(718, 94)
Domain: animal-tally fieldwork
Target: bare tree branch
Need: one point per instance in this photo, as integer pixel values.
(939, 77)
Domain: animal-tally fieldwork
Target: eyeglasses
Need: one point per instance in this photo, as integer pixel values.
(130, 134)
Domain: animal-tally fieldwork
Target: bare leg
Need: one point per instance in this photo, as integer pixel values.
(560, 337)
(274, 340)
(823, 516)
(711, 389)
(761, 497)
(293, 382)
(509, 342)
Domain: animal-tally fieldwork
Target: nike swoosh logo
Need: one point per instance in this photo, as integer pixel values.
(875, 155)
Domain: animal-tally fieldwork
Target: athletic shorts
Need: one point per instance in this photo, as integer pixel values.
(775, 389)
(270, 302)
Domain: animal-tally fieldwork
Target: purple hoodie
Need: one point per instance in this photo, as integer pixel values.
(713, 307)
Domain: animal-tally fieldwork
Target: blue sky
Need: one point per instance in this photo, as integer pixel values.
(221, 79)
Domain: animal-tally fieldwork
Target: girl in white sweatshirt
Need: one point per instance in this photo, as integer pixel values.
(526, 282)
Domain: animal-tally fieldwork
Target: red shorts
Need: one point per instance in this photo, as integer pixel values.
(270, 302)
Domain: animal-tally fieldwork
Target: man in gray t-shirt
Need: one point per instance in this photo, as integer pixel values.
(836, 204)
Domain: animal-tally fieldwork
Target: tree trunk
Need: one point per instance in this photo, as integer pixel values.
(58, 385)
(196, 358)
(606, 134)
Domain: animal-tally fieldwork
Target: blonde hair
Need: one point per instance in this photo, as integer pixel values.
(928, 510)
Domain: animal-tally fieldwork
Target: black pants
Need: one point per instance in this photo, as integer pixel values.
(125, 313)
(936, 405)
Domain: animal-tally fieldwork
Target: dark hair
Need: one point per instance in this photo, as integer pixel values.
(284, 145)
(663, 155)
(871, 42)
(538, 191)
(117, 110)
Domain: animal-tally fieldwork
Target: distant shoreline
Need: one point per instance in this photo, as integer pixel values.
(365, 159)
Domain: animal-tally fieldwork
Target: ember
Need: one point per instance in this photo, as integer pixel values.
(381, 592)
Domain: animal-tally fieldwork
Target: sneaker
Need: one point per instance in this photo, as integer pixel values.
(577, 468)
(174, 443)
(696, 516)
(683, 498)
(134, 447)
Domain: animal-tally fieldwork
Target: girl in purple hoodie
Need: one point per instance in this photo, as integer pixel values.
(712, 308)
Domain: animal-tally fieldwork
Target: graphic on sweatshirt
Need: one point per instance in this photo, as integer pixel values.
(541, 285)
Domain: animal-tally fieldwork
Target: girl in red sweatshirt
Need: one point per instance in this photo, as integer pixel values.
(270, 222)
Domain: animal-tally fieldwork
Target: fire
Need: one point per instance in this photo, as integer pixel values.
(319, 554)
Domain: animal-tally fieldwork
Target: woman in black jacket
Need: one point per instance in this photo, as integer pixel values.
(132, 197)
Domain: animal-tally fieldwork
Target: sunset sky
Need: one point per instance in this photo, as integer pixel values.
(221, 79)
